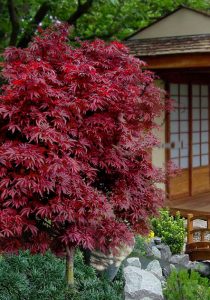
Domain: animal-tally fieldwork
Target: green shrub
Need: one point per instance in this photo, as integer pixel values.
(37, 277)
(186, 286)
(139, 247)
(91, 287)
(170, 229)
(31, 277)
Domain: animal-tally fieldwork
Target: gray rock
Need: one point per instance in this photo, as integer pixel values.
(172, 267)
(145, 260)
(157, 240)
(165, 265)
(165, 251)
(155, 268)
(167, 269)
(202, 267)
(111, 271)
(192, 265)
(151, 242)
(141, 284)
(148, 249)
(109, 264)
(182, 259)
(133, 261)
(156, 253)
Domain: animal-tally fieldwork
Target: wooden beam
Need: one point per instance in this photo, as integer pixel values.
(178, 61)
(194, 76)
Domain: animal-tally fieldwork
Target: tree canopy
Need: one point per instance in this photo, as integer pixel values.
(106, 19)
(75, 141)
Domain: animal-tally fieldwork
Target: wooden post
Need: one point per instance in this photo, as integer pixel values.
(208, 222)
(202, 235)
(189, 228)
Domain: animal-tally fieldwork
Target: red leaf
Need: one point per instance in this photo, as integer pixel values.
(77, 129)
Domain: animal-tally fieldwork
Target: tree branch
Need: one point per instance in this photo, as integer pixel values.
(81, 9)
(14, 22)
(42, 12)
(32, 26)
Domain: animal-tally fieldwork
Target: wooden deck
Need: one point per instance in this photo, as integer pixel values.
(198, 205)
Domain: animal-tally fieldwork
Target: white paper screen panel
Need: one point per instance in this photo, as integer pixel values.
(198, 108)
(179, 125)
(200, 126)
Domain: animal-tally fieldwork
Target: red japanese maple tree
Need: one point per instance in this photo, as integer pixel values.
(75, 146)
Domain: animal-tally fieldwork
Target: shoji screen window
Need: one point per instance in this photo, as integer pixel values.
(200, 126)
(179, 125)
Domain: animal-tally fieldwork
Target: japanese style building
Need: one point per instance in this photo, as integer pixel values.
(177, 48)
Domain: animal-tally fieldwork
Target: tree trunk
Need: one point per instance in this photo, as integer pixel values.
(32, 26)
(70, 266)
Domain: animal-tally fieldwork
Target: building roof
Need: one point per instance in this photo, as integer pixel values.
(169, 45)
(182, 32)
(138, 33)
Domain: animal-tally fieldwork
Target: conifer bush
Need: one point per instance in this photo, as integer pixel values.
(40, 277)
(182, 285)
(75, 141)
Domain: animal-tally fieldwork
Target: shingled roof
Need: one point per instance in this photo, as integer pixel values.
(169, 45)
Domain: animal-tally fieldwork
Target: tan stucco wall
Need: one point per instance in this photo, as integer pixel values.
(158, 154)
(183, 22)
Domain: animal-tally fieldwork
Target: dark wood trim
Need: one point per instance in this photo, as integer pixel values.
(209, 126)
(178, 61)
(198, 76)
(179, 125)
(190, 136)
(167, 140)
(200, 130)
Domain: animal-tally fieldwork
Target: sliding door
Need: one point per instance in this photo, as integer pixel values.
(200, 139)
(189, 139)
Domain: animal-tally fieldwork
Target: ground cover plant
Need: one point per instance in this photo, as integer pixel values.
(75, 141)
(40, 277)
(171, 229)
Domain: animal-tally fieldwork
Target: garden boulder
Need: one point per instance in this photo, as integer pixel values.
(182, 259)
(155, 268)
(133, 261)
(156, 252)
(141, 284)
(109, 264)
(165, 251)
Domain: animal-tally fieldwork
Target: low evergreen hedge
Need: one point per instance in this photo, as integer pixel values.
(37, 277)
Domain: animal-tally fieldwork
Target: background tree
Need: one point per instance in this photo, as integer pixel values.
(107, 19)
(75, 143)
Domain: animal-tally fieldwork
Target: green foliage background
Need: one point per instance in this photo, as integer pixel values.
(108, 19)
